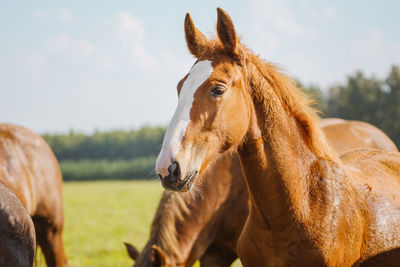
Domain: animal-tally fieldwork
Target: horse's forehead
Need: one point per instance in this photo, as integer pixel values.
(224, 68)
(212, 68)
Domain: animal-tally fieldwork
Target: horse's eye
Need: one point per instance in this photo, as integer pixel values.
(217, 91)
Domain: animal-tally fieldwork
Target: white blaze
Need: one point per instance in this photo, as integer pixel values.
(199, 73)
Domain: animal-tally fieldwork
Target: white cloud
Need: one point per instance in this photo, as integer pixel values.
(58, 44)
(326, 12)
(61, 14)
(124, 45)
(71, 51)
(128, 26)
(106, 62)
(279, 14)
(131, 32)
(64, 14)
(289, 26)
(142, 57)
(329, 12)
(38, 14)
(86, 50)
(376, 34)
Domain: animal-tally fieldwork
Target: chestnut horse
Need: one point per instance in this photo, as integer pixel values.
(30, 170)
(17, 233)
(187, 228)
(308, 206)
(345, 135)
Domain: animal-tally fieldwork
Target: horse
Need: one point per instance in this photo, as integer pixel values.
(344, 135)
(187, 227)
(17, 233)
(30, 170)
(308, 206)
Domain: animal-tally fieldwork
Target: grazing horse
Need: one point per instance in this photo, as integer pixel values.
(309, 207)
(199, 225)
(30, 170)
(17, 233)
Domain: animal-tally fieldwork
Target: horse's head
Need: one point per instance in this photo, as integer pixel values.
(157, 258)
(212, 115)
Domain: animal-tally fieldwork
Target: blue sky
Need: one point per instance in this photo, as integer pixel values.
(88, 65)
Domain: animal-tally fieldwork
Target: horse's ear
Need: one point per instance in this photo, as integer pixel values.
(132, 251)
(158, 256)
(226, 33)
(196, 41)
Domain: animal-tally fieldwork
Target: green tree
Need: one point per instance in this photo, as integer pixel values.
(391, 108)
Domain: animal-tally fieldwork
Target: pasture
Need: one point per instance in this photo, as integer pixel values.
(100, 215)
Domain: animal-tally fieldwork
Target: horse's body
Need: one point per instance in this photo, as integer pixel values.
(30, 170)
(207, 227)
(345, 135)
(17, 233)
(308, 206)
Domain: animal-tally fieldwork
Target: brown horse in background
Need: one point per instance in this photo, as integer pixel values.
(188, 227)
(30, 170)
(345, 135)
(308, 206)
(17, 232)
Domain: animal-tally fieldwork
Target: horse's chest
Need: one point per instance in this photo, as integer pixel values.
(260, 247)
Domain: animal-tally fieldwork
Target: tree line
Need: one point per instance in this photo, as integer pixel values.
(111, 145)
(107, 155)
(131, 154)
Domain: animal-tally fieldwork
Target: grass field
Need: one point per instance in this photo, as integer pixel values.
(100, 215)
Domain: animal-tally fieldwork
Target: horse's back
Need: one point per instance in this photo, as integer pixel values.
(17, 233)
(347, 135)
(331, 121)
(378, 167)
(376, 177)
(28, 167)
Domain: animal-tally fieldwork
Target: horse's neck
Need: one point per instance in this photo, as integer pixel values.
(276, 161)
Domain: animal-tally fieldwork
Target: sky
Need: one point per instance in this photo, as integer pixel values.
(102, 65)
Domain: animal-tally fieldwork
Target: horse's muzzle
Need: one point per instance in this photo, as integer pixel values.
(173, 180)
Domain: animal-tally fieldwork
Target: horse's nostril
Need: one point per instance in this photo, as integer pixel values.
(174, 171)
(159, 176)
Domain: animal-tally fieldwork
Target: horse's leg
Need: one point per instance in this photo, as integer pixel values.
(49, 238)
(216, 256)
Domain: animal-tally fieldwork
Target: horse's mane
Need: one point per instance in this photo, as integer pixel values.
(292, 98)
(171, 210)
(264, 76)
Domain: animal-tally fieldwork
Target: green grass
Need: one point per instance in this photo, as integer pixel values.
(101, 215)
